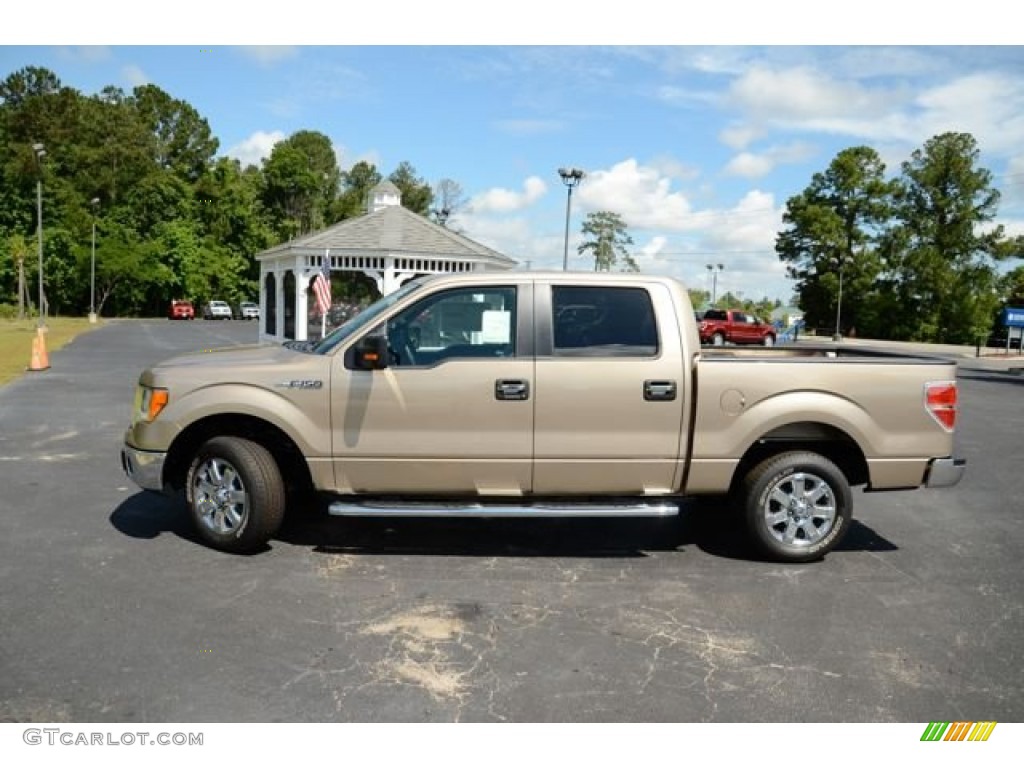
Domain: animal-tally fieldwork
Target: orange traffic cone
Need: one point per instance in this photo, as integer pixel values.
(40, 361)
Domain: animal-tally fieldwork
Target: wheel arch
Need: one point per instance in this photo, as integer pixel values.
(282, 448)
(816, 437)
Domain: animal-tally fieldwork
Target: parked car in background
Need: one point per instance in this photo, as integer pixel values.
(181, 310)
(721, 325)
(248, 310)
(217, 310)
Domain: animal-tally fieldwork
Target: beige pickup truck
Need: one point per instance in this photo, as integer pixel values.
(539, 394)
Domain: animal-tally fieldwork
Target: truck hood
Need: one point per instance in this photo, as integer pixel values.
(257, 355)
(259, 365)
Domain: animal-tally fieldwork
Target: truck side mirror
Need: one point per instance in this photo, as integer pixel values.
(371, 353)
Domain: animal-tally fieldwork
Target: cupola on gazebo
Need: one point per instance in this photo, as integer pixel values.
(389, 244)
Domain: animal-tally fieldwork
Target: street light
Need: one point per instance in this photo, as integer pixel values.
(441, 216)
(571, 177)
(40, 151)
(714, 269)
(92, 273)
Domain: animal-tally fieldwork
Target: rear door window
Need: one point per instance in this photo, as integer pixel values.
(603, 321)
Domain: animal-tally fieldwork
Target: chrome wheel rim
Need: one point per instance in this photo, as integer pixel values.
(799, 509)
(221, 501)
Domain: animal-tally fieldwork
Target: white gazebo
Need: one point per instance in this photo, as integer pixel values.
(389, 244)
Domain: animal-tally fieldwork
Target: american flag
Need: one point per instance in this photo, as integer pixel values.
(322, 286)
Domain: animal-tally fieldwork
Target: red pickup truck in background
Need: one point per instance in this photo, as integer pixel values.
(721, 325)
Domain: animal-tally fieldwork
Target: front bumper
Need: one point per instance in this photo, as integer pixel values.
(145, 468)
(943, 473)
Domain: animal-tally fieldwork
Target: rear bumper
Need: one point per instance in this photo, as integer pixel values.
(943, 473)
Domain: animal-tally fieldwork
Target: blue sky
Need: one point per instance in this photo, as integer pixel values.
(697, 146)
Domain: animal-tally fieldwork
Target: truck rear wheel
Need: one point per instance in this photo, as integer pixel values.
(797, 506)
(235, 494)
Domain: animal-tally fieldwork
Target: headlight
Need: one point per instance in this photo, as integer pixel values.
(149, 401)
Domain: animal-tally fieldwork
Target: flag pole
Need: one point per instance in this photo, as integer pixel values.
(323, 315)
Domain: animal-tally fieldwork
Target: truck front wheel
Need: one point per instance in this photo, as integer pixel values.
(797, 506)
(235, 494)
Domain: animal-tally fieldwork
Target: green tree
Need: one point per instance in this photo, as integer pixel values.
(942, 253)
(606, 237)
(417, 195)
(182, 140)
(356, 184)
(300, 183)
(698, 297)
(1012, 287)
(12, 270)
(129, 272)
(229, 208)
(832, 235)
(115, 147)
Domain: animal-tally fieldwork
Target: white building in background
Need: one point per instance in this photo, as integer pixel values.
(389, 244)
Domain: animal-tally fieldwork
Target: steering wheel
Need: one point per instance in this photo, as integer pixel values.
(401, 346)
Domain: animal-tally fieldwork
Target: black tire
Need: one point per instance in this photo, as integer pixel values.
(718, 340)
(769, 340)
(797, 506)
(235, 494)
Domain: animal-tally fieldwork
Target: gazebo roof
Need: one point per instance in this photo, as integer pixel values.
(391, 230)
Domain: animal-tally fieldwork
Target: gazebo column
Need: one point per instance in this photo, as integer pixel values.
(302, 281)
(280, 270)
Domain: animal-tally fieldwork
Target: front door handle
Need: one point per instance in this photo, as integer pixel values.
(511, 389)
(659, 390)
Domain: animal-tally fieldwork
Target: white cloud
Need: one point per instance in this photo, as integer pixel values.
(752, 166)
(671, 236)
(796, 95)
(500, 200)
(740, 136)
(529, 127)
(268, 55)
(749, 165)
(134, 75)
(988, 106)
(252, 150)
(88, 54)
(1011, 184)
(641, 195)
(749, 226)
(675, 169)
(683, 97)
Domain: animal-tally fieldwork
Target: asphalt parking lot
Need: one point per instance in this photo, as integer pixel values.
(113, 613)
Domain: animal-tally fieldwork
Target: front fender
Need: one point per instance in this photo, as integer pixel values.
(303, 415)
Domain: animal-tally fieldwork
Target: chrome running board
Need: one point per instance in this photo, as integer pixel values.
(402, 508)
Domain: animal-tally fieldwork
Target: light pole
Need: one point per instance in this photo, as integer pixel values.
(92, 272)
(40, 151)
(714, 269)
(571, 177)
(837, 336)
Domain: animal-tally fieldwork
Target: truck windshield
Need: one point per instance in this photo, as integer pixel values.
(364, 318)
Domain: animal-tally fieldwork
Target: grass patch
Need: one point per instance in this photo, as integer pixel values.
(16, 341)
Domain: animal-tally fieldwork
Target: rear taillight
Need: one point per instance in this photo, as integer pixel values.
(940, 401)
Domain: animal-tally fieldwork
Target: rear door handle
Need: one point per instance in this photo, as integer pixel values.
(659, 390)
(511, 389)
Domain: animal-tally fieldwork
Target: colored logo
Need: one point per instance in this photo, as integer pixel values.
(958, 731)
